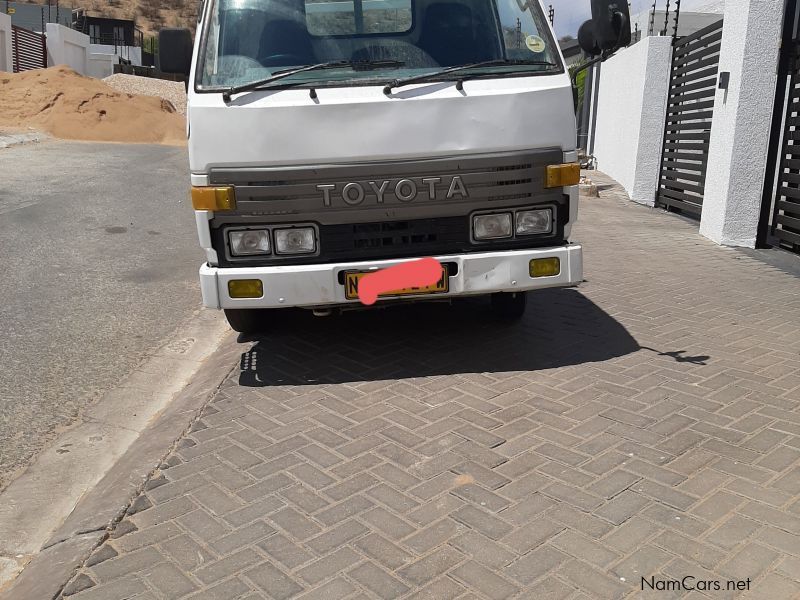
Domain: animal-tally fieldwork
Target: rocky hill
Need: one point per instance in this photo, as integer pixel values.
(150, 15)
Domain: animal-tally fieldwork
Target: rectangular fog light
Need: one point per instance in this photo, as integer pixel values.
(245, 288)
(492, 227)
(545, 267)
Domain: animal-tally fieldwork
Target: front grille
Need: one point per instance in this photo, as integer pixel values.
(386, 235)
(486, 179)
(485, 182)
(394, 223)
(394, 238)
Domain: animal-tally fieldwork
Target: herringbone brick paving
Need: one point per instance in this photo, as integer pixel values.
(645, 424)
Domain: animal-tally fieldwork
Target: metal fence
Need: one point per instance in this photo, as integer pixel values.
(687, 130)
(785, 224)
(28, 49)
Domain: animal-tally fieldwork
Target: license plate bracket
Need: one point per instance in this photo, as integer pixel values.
(351, 279)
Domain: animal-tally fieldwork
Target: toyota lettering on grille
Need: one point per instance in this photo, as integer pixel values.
(405, 190)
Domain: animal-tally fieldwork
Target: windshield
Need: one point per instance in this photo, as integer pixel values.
(376, 40)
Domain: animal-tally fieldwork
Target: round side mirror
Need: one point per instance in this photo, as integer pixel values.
(612, 24)
(587, 39)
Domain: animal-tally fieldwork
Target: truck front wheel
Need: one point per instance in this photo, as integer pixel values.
(246, 320)
(509, 305)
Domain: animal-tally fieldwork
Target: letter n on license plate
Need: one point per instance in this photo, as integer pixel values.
(351, 279)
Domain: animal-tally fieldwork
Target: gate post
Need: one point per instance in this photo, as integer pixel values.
(15, 48)
(6, 45)
(741, 125)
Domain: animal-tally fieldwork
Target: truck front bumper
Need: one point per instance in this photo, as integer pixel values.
(320, 284)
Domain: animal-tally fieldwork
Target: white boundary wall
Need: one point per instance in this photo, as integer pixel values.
(101, 65)
(631, 108)
(631, 105)
(67, 47)
(6, 59)
(131, 53)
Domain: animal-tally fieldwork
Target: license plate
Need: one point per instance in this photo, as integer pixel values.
(352, 278)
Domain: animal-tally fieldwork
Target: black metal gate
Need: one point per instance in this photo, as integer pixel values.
(690, 108)
(782, 191)
(28, 49)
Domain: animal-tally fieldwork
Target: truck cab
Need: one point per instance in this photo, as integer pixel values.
(332, 138)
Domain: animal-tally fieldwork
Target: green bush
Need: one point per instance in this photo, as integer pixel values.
(579, 82)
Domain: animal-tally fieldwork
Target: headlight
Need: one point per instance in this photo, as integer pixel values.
(491, 227)
(249, 242)
(298, 240)
(534, 221)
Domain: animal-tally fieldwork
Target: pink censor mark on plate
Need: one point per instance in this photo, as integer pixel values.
(417, 273)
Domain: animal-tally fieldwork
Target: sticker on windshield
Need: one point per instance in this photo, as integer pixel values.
(535, 43)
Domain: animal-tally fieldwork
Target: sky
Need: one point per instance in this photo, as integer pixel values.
(571, 13)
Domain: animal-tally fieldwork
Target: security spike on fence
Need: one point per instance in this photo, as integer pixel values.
(677, 17)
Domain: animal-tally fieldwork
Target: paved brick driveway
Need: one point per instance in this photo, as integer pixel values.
(645, 424)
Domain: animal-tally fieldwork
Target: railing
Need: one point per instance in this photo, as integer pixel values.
(143, 71)
(109, 39)
(28, 49)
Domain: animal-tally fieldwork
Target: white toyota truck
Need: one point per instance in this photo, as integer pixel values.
(332, 138)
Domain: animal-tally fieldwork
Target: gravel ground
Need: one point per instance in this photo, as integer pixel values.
(174, 91)
(124, 277)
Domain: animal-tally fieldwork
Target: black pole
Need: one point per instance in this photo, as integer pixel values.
(358, 15)
(595, 96)
(651, 31)
(666, 20)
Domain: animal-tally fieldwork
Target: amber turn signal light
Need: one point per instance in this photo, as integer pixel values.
(561, 175)
(213, 198)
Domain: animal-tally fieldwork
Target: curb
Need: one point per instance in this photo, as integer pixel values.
(89, 524)
(9, 140)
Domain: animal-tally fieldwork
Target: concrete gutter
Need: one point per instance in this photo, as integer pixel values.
(61, 508)
(8, 139)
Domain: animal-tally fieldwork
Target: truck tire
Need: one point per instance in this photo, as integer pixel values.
(510, 306)
(246, 320)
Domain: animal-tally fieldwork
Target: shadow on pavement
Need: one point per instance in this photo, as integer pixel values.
(561, 327)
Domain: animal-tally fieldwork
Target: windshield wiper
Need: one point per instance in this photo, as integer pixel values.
(487, 63)
(357, 65)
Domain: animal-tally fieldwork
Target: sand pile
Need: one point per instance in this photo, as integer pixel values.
(70, 106)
